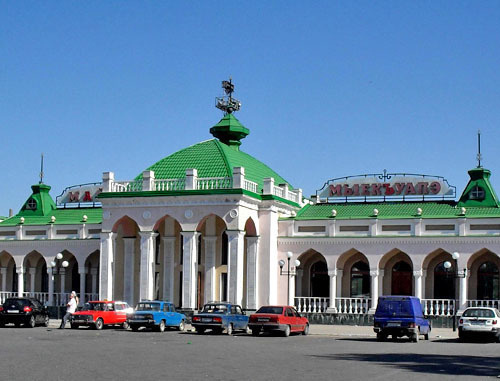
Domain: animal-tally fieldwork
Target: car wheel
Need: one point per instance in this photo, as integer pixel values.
(200, 331)
(229, 329)
(415, 337)
(74, 326)
(99, 324)
(125, 325)
(286, 332)
(426, 336)
(381, 336)
(134, 328)
(255, 332)
(161, 326)
(31, 322)
(46, 321)
(182, 326)
(248, 331)
(306, 330)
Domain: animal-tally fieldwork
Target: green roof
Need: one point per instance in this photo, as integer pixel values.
(40, 207)
(479, 183)
(212, 158)
(395, 210)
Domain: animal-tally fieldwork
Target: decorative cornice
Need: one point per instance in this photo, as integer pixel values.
(380, 241)
(50, 243)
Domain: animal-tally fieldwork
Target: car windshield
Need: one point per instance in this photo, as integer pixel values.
(17, 302)
(395, 307)
(478, 312)
(270, 310)
(215, 308)
(148, 307)
(95, 307)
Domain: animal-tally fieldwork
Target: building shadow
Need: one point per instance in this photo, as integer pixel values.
(463, 365)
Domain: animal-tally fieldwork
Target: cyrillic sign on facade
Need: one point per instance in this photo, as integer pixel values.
(80, 194)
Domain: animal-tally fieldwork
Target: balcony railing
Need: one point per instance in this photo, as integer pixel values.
(169, 184)
(311, 304)
(354, 306)
(438, 307)
(483, 303)
(214, 183)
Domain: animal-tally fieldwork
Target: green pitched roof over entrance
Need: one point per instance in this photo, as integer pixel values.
(479, 191)
(212, 158)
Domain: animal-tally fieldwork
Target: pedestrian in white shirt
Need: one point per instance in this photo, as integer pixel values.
(70, 309)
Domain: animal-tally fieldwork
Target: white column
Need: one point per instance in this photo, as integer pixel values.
(51, 285)
(83, 273)
(94, 273)
(3, 272)
(32, 271)
(291, 288)
(380, 282)
(128, 269)
(340, 274)
(62, 279)
(374, 290)
(146, 284)
(235, 265)
(462, 294)
(424, 276)
(168, 267)
(332, 307)
(268, 251)
(253, 274)
(106, 266)
(417, 274)
(210, 243)
(20, 281)
(189, 269)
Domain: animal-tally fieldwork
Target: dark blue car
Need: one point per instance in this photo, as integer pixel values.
(220, 316)
(156, 314)
(400, 316)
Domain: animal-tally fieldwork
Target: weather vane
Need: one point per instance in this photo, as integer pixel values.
(227, 103)
(41, 171)
(479, 157)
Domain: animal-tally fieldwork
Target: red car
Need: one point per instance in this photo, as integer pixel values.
(97, 314)
(284, 319)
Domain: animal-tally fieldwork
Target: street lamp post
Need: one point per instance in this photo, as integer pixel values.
(57, 264)
(288, 272)
(456, 275)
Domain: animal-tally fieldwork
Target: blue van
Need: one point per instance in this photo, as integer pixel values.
(400, 316)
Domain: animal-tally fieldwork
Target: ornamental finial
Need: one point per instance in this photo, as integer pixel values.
(227, 103)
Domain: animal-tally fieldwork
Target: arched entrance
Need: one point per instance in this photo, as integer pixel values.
(488, 281)
(320, 282)
(401, 279)
(444, 282)
(360, 280)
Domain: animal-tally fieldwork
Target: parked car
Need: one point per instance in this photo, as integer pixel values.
(477, 322)
(220, 316)
(400, 316)
(98, 314)
(27, 311)
(156, 314)
(284, 319)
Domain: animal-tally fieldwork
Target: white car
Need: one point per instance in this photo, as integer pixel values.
(479, 321)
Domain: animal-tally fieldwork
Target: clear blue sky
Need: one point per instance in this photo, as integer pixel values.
(329, 88)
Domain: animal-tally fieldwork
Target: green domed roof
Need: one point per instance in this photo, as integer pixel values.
(212, 159)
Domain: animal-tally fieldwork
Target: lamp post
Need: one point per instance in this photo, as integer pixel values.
(456, 275)
(288, 272)
(57, 264)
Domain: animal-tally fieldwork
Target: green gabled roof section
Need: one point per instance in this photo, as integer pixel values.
(69, 216)
(479, 180)
(407, 210)
(40, 207)
(230, 131)
(212, 158)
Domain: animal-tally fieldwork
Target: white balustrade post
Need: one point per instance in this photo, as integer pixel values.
(210, 248)
(148, 180)
(129, 269)
(168, 267)
(189, 269)
(106, 266)
(83, 283)
(32, 271)
(50, 273)
(191, 178)
(252, 273)
(238, 177)
(332, 307)
(417, 274)
(374, 290)
(20, 281)
(268, 185)
(146, 286)
(108, 178)
(235, 265)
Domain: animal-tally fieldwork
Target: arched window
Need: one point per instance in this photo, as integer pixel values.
(444, 282)
(360, 280)
(401, 279)
(488, 281)
(320, 282)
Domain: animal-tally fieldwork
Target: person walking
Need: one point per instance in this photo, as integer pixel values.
(70, 309)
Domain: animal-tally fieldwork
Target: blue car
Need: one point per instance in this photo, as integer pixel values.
(400, 316)
(156, 314)
(220, 316)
